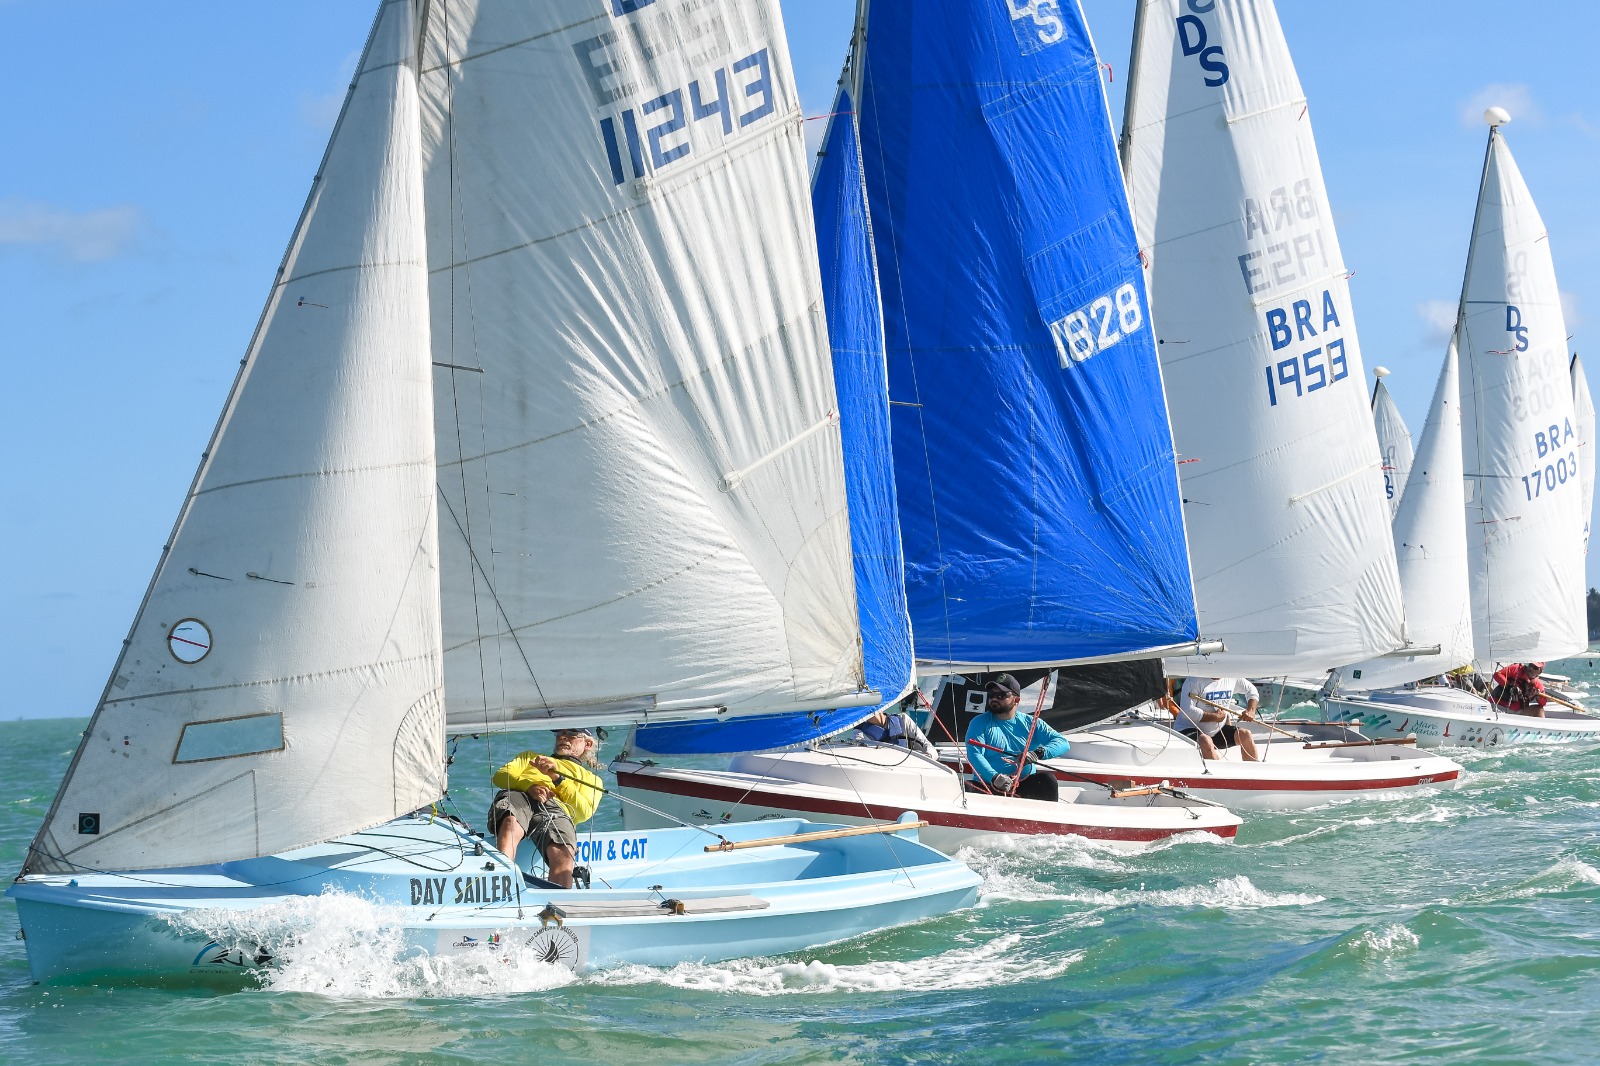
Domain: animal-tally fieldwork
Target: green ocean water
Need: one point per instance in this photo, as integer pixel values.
(1459, 926)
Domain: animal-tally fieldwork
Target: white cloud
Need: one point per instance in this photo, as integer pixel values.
(84, 237)
(319, 111)
(1513, 96)
(1440, 318)
(1570, 311)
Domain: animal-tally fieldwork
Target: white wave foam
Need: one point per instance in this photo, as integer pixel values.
(1001, 961)
(1228, 893)
(1074, 851)
(1388, 941)
(1434, 813)
(348, 947)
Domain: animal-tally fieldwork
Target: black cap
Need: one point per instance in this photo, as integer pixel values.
(1005, 681)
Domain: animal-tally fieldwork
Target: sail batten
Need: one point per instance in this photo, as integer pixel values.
(1294, 568)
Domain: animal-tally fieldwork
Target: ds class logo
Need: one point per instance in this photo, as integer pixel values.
(1193, 39)
(1037, 23)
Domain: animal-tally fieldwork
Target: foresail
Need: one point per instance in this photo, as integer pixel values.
(1289, 537)
(855, 332)
(1431, 544)
(1520, 436)
(1034, 465)
(643, 503)
(289, 641)
(1583, 407)
(1394, 446)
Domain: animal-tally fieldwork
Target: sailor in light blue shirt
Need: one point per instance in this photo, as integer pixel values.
(996, 740)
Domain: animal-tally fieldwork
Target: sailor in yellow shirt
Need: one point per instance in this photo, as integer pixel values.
(543, 798)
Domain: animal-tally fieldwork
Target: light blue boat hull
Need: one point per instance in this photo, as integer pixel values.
(658, 899)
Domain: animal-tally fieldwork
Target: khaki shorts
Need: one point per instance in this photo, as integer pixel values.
(545, 824)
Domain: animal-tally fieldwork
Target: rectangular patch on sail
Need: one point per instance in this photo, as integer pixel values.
(230, 738)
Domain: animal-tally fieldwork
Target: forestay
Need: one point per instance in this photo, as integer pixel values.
(289, 641)
(1394, 447)
(643, 490)
(1583, 407)
(1520, 438)
(1038, 498)
(1282, 482)
(1431, 545)
(855, 332)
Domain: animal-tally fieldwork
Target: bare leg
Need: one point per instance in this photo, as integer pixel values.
(561, 860)
(1247, 744)
(1208, 750)
(508, 836)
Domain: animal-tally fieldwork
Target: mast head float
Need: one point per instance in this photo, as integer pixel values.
(1496, 116)
(1380, 372)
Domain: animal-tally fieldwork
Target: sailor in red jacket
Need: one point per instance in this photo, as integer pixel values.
(1518, 689)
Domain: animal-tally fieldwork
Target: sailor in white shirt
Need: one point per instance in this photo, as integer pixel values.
(1210, 727)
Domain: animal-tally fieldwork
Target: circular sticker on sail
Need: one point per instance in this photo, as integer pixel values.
(556, 944)
(189, 641)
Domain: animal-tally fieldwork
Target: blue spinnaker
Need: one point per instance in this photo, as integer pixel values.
(1038, 490)
(855, 332)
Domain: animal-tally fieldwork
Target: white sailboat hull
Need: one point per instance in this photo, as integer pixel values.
(1292, 774)
(449, 898)
(865, 784)
(1445, 717)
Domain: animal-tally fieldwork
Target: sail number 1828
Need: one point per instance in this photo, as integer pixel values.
(1094, 328)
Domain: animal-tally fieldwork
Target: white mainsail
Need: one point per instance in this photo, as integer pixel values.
(289, 641)
(643, 501)
(1519, 429)
(1583, 405)
(1431, 546)
(1394, 445)
(1289, 538)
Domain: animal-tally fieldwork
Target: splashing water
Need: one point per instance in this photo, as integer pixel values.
(1004, 960)
(348, 947)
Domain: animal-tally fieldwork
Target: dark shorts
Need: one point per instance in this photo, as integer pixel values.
(1226, 737)
(544, 824)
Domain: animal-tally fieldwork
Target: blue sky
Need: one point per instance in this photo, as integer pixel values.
(158, 155)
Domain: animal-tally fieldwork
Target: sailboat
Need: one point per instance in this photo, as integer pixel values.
(1395, 446)
(1394, 440)
(1522, 569)
(1289, 540)
(537, 429)
(969, 187)
(1583, 410)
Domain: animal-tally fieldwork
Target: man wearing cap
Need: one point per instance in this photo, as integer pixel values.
(544, 798)
(1002, 751)
(1517, 688)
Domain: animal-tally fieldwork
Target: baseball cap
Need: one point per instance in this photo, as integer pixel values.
(1004, 681)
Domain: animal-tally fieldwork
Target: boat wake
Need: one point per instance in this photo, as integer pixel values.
(348, 947)
(1004, 960)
